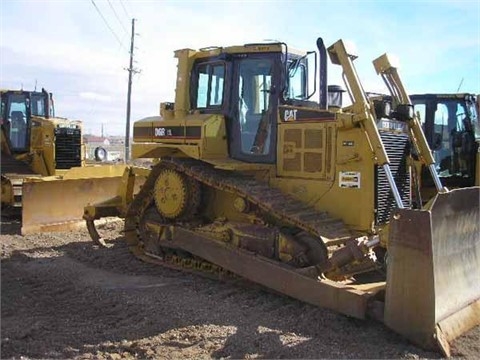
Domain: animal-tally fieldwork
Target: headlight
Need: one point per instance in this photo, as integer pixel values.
(404, 112)
(383, 108)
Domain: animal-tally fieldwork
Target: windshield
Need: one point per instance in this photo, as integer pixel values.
(473, 115)
(453, 146)
(17, 121)
(451, 126)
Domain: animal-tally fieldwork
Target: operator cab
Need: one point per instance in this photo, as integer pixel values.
(17, 108)
(247, 85)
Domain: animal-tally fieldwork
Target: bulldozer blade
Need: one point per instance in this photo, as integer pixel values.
(57, 204)
(433, 273)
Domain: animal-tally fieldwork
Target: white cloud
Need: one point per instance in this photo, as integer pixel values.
(63, 56)
(95, 96)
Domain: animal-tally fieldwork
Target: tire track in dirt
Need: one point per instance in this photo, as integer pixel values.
(64, 298)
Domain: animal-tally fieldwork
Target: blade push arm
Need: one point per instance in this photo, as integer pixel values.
(362, 112)
(392, 80)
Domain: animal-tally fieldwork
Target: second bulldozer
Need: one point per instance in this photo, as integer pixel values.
(452, 127)
(43, 169)
(306, 198)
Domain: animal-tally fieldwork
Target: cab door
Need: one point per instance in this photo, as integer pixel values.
(255, 94)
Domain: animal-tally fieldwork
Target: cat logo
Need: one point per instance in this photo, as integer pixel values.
(290, 115)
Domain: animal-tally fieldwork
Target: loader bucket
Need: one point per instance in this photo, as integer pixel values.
(57, 204)
(433, 276)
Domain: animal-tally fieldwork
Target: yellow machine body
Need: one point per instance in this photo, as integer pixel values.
(313, 164)
(55, 203)
(312, 200)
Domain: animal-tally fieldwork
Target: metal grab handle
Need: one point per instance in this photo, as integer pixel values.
(393, 186)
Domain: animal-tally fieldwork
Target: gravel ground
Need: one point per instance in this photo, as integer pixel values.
(62, 297)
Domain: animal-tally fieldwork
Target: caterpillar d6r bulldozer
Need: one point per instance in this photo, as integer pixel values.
(43, 170)
(306, 198)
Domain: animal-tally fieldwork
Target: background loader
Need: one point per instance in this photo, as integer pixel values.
(452, 128)
(43, 170)
(311, 200)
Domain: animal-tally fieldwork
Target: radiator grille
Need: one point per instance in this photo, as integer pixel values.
(313, 162)
(294, 164)
(294, 135)
(313, 139)
(398, 148)
(68, 148)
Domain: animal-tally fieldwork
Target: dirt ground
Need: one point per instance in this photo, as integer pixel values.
(62, 297)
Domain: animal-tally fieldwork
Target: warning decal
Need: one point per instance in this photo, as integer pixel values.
(349, 179)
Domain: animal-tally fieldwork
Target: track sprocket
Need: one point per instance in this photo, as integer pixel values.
(176, 196)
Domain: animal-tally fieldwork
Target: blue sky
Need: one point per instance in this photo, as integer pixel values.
(66, 47)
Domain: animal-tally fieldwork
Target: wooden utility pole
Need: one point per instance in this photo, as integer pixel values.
(130, 70)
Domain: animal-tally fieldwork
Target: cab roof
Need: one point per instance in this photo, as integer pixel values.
(262, 47)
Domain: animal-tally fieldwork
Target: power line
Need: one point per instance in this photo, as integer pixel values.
(124, 10)
(116, 15)
(109, 27)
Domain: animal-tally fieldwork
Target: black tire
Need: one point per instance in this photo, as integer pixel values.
(100, 154)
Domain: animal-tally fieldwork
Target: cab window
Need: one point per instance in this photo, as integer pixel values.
(420, 111)
(17, 121)
(38, 105)
(441, 116)
(297, 82)
(210, 85)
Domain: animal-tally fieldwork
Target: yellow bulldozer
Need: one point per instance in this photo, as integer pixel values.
(312, 200)
(451, 126)
(38, 150)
